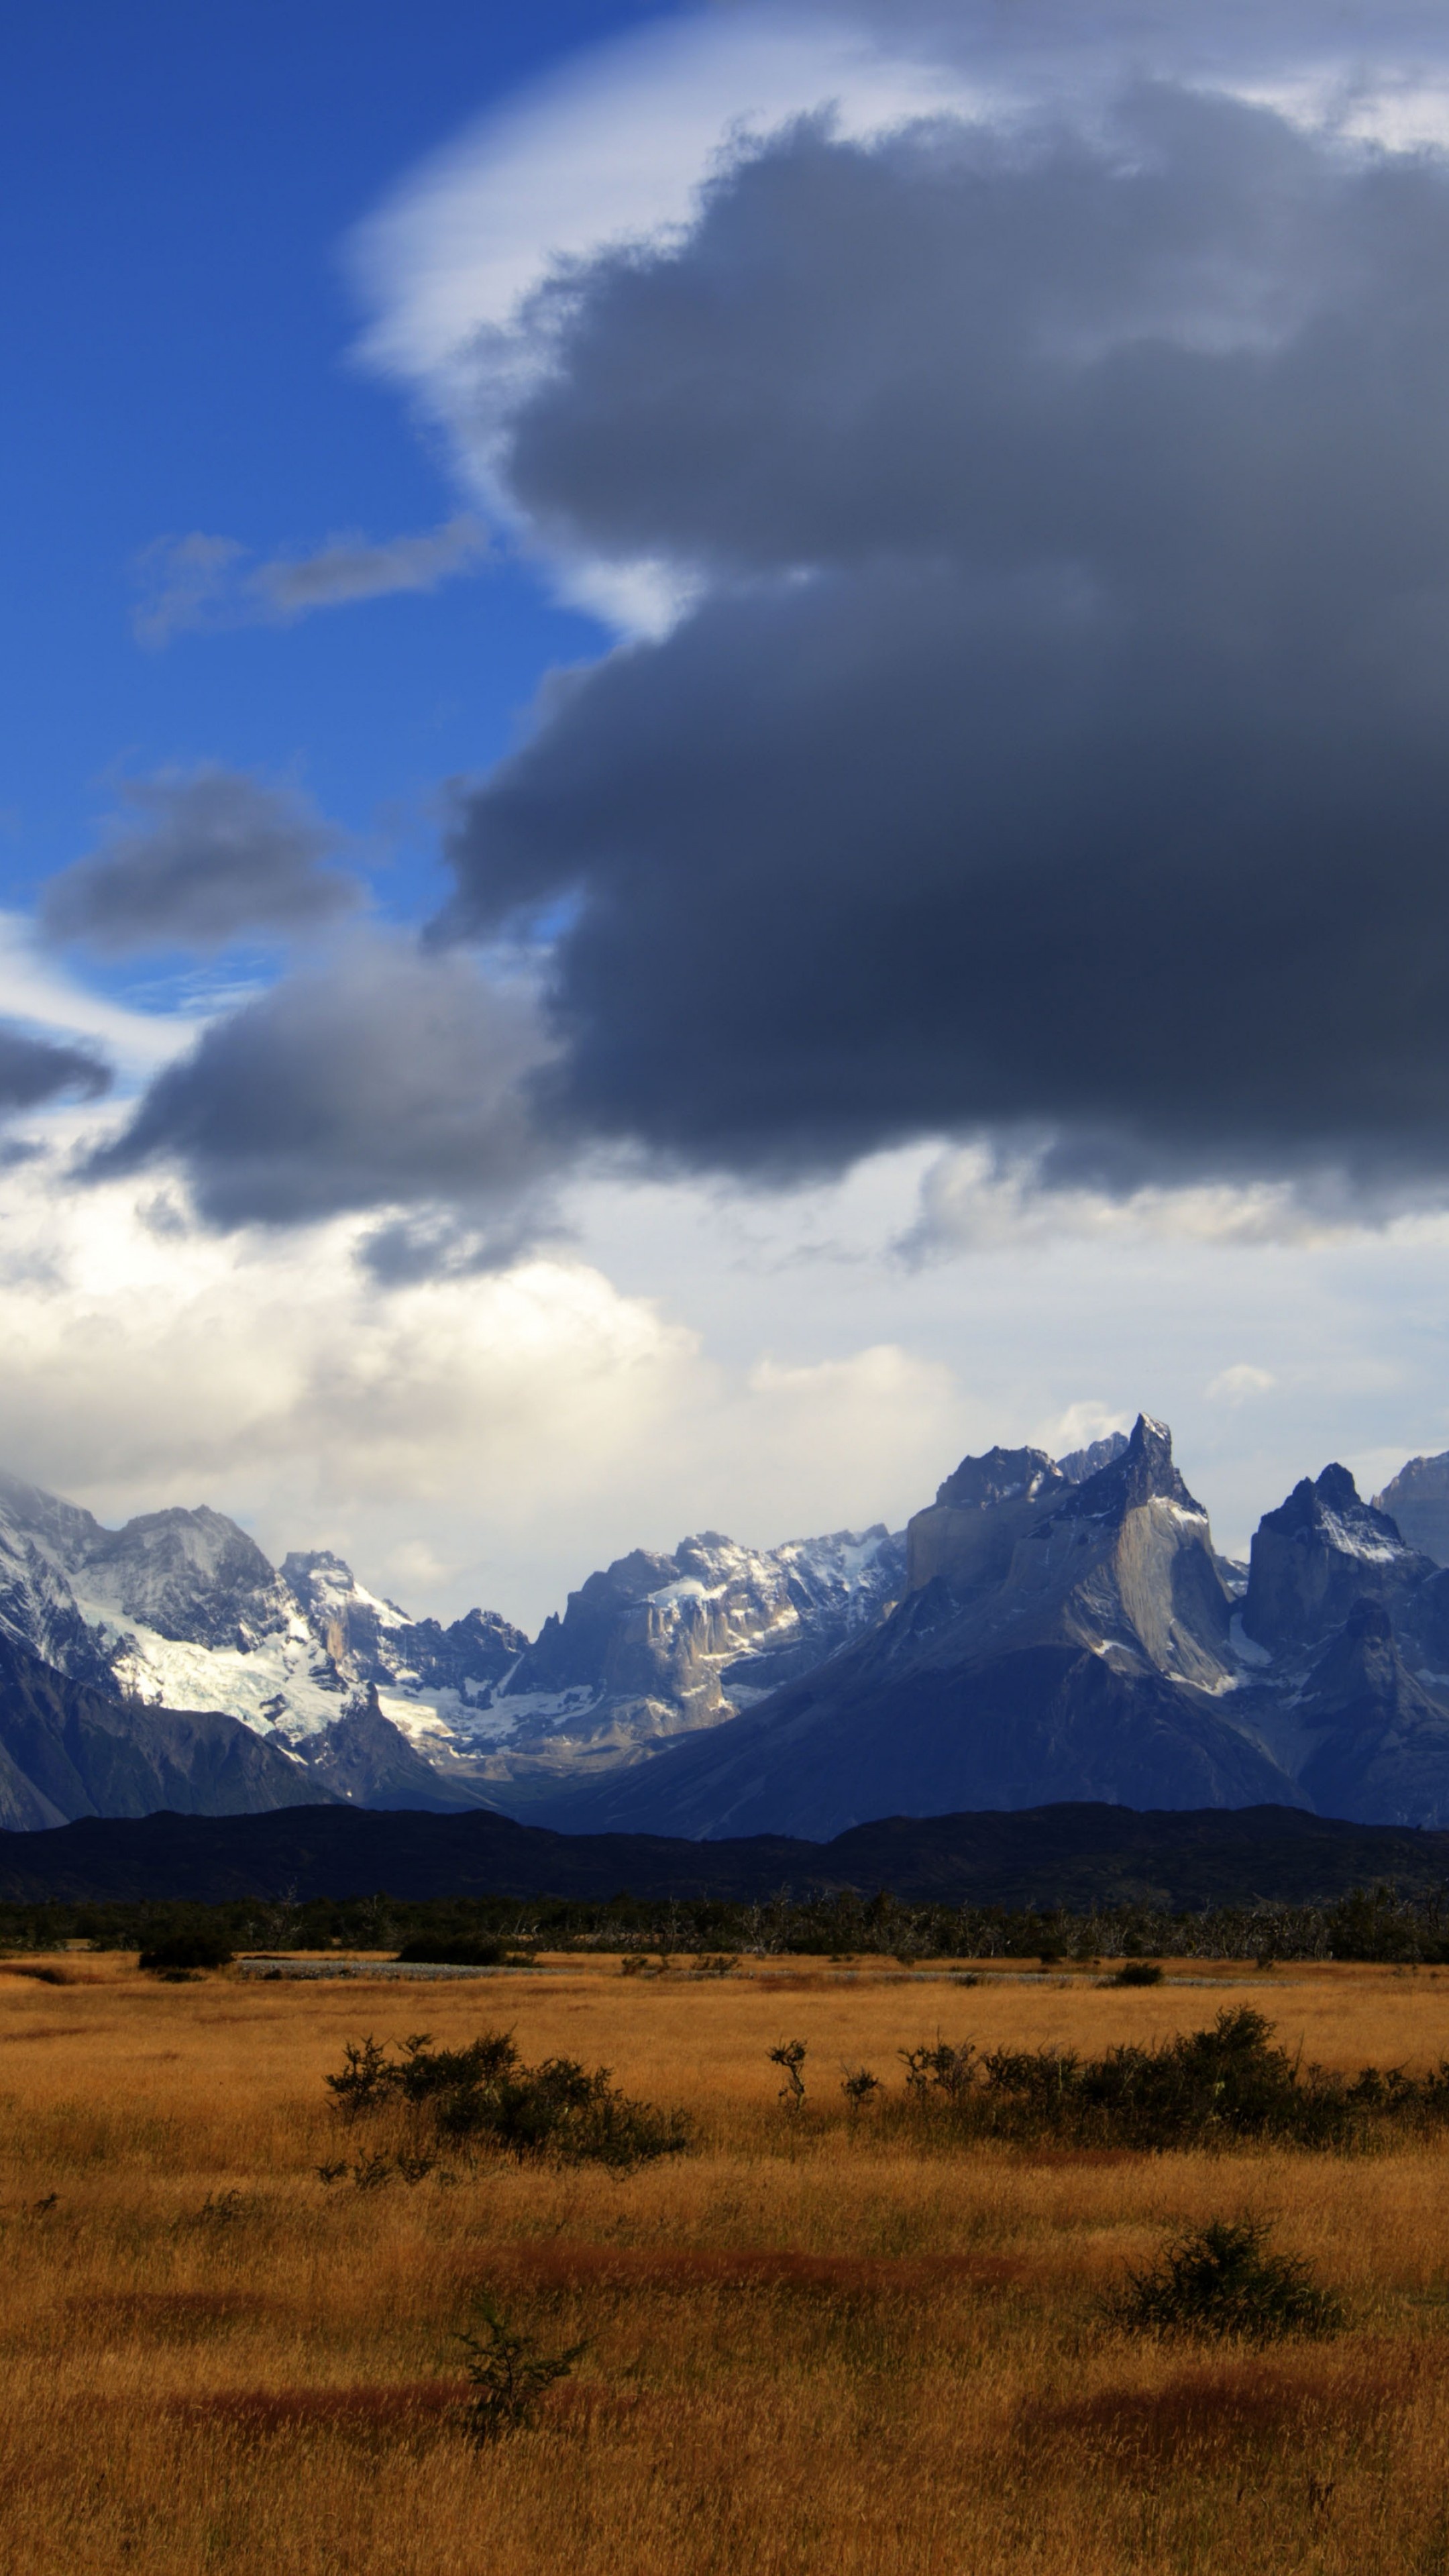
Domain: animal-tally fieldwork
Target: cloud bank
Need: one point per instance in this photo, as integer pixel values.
(1018, 472)
(1053, 745)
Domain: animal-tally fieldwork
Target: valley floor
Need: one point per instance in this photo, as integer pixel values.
(811, 2346)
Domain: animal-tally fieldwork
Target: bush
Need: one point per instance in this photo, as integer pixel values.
(509, 2375)
(178, 1952)
(1138, 1972)
(1218, 2280)
(485, 2094)
(790, 2057)
(1201, 2087)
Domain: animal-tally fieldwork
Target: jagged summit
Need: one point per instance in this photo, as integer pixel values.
(1045, 1629)
(1142, 1472)
(1079, 1464)
(1316, 1555)
(1000, 1476)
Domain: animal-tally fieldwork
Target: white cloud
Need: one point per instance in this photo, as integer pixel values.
(39, 993)
(1078, 1426)
(1233, 1385)
(462, 1439)
(974, 1198)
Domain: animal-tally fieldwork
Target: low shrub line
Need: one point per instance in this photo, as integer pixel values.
(1221, 2085)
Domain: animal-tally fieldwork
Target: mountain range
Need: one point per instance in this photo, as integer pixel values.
(1046, 1630)
(1074, 1856)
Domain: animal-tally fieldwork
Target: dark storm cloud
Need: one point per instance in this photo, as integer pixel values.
(383, 1077)
(206, 857)
(1057, 745)
(33, 1070)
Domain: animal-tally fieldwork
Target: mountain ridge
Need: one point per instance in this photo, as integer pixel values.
(1074, 1854)
(1043, 1629)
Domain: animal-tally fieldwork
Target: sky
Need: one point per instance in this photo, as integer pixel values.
(724, 764)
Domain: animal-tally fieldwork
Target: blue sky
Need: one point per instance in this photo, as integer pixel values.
(779, 917)
(180, 187)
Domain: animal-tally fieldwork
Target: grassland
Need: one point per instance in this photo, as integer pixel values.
(813, 2344)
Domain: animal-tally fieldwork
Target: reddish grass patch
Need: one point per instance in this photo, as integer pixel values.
(170, 2311)
(1220, 2408)
(555, 2267)
(368, 2407)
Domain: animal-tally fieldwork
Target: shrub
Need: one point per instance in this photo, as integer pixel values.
(942, 2069)
(1138, 1972)
(1199, 2087)
(790, 2057)
(509, 2375)
(1219, 2280)
(204, 1946)
(485, 2095)
(858, 2084)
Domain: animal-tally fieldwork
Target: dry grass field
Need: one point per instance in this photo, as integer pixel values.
(811, 2346)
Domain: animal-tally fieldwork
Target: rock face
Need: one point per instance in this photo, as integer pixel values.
(1057, 1640)
(1317, 1555)
(69, 1750)
(1065, 1638)
(1045, 1630)
(180, 1609)
(660, 1646)
(1417, 1501)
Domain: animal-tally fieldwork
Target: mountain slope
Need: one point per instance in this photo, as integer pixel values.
(657, 1647)
(180, 1608)
(1417, 1501)
(1061, 1641)
(69, 1750)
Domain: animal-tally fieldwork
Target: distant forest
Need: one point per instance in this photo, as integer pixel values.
(1367, 1924)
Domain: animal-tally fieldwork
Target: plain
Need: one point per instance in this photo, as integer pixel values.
(811, 2343)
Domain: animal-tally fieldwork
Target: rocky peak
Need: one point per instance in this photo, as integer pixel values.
(1079, 1464)
(1319, 1553)
(305, 1567)
(192, 1576)
(1417, 1501)
(1142, 1472)
(367, 1760)
(999, 1476)
(966, 1537)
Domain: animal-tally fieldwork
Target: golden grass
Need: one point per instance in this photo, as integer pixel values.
(809, 2348)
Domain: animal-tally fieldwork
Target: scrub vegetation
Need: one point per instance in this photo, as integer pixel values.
(258, 2321)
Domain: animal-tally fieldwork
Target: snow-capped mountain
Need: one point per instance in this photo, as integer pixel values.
(1068, 1640)
(181, 1610)
(659, 1646)
(1045, 1629)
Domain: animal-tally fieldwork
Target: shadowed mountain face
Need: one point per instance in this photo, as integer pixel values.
(1045, 1630)
(1417, 1502)
(181, 1609)
(1064, 1639)
(68, 1750)
(1058, 1640)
